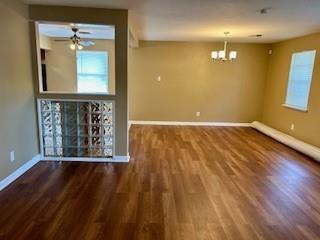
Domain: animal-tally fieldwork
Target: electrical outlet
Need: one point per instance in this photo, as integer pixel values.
(12, 156)
(292, 127)
(159, 78)
(198, 114)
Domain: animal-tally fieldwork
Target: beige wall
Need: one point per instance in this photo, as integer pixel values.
(191, 82)
(17, 108)
(61, 65)
(307, 124)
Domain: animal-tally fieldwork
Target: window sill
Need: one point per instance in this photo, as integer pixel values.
(295, 107)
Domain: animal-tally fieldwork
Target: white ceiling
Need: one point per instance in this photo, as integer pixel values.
(206, 20)
(64, 30)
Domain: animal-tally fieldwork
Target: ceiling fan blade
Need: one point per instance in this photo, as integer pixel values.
(61, 40)
(87, 43)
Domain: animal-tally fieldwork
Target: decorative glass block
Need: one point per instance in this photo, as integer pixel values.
(57, 129)
(107, 107)
(95, 130)
(70, 141)
(56, 106)
(95, 118)
(84, 152)
(84, 118)
(49, 151)
(77, 129)
(107, 130)
(83, 130)
(107, 119)
(47, 129)
(95, 107)
(57, 117)
(70, 118)
(59, 152)
(70, 130)
(47, 118)
(96, 152)
(45, 105)
(70, 107)
(107, 152)
(58, 141)
(70, 152)
(84, 107)
(84, 141)
(107, 141)
(48, 141)
(96, 141)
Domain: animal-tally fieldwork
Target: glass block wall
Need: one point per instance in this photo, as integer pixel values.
(76, 129)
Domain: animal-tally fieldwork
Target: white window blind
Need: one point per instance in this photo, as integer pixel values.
(92, 71)
(300, 78)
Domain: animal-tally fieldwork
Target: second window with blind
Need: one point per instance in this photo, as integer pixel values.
(300, 78)
(92, 72)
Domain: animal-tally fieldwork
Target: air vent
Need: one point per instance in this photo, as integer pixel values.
(265, 10)
(256, 35)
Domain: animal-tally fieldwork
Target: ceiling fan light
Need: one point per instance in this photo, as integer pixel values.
(72, 46)
(80, 47)
(214, 55)
(233, 55)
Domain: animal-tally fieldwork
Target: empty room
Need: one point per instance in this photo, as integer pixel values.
(160, 119)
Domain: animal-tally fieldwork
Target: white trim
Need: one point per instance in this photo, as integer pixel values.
(217, 124)
(121, 158)
(302, 109)
(115, 159)
(308, 149)
(77, 94)
(75, 100)
(20, 171)
(40, 131)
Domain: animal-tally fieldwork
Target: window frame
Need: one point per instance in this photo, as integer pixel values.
(106, 53)
(295, 107)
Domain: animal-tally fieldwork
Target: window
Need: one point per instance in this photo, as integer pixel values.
(92, 71)
(300, 78)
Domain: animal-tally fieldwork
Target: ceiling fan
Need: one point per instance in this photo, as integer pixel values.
(76, 41)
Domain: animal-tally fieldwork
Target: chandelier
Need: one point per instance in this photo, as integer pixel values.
(222, 54)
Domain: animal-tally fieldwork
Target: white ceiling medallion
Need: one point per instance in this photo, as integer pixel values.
(221, 54)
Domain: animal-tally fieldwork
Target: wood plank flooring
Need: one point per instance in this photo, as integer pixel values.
(182, 183)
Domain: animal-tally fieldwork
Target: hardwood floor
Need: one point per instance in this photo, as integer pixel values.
(181, 183)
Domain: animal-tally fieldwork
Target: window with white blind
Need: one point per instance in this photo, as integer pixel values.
(92, 72)
(300, 78)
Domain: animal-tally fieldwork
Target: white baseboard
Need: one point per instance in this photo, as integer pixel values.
(20, 171)
(307, 149)
(216, 124)
(121, 158)
(115, 159)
